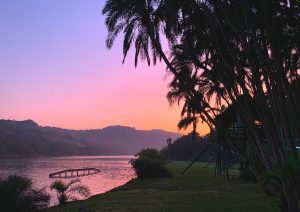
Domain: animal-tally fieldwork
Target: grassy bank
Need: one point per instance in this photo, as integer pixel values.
(197, 190)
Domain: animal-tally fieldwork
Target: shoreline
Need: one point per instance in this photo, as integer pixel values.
(115, 171)
(197, 190)
(14, 156)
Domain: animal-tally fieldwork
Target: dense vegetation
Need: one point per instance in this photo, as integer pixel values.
(26, 138)
(244, 53)
(188, 147)
(150, 164)
(18, 194)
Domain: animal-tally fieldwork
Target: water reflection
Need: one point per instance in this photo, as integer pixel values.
(115, 171)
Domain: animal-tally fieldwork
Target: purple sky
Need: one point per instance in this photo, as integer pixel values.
(56, 70)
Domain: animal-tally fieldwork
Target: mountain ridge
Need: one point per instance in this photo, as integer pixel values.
(27, 138)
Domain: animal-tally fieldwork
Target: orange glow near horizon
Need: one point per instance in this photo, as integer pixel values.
(134, 98)
(60, 73)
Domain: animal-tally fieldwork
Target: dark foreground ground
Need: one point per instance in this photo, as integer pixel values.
(197, 190)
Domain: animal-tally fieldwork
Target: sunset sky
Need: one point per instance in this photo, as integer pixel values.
(56, 70)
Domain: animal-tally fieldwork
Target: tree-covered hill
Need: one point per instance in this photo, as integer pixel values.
(27, 138)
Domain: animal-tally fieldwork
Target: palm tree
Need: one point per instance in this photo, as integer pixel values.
(248, 48)
(136, 19)
(17, 194)
(70, 191)
(189, 87)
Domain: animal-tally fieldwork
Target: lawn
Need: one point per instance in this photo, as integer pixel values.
(197, 190)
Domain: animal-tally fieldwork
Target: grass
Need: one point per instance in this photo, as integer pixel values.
(197, 190)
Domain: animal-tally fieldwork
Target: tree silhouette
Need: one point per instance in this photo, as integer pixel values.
(136, 19)
(17, 194)
(69, 191)
(238, 52)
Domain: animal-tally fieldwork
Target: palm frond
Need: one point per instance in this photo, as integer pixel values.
(59, 186)
(185, 122)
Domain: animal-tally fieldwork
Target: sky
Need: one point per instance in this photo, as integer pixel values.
(56, 70)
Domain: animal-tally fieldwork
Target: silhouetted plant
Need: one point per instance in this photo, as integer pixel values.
(150, 164)
(220, 51)
(17, 194)
(184, 149)
(70, 191)
(246, 173)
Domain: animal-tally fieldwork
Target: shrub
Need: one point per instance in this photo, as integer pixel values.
(271, 183)
(150, 164)
(246, 173)
(17, 194)
(70, 191)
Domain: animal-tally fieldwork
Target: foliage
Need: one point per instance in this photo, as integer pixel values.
(150, 164)
(293, 167)
(69, 191)
(132, 18)
(243, 53)
(189, 146)
(246, 173)
(17, 194)
(271, 181)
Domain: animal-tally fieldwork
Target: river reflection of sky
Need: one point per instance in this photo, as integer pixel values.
(115, 171)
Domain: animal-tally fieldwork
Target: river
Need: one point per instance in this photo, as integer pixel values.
(115, 171)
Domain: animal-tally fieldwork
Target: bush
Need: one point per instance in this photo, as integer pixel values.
(246, 173)
(271, 183)
(17, 194)
(150, 164)
(70, 191)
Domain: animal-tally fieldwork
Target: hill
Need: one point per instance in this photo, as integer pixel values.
(27, 138)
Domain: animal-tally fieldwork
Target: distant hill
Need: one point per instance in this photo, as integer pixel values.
(27, 138)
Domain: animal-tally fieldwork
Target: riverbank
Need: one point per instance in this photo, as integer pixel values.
(197, 190)
(115, 171)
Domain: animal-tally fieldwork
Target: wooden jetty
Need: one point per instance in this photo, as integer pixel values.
(74, 173)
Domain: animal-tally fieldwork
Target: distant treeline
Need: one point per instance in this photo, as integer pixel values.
(188, 147)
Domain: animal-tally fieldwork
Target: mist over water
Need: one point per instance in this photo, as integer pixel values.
(115, 171)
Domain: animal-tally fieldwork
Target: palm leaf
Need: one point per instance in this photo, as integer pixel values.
(185, 122)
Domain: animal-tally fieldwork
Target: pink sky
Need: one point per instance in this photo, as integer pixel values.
(56, 70)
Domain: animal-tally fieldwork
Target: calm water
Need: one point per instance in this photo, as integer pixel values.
(115, 171)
